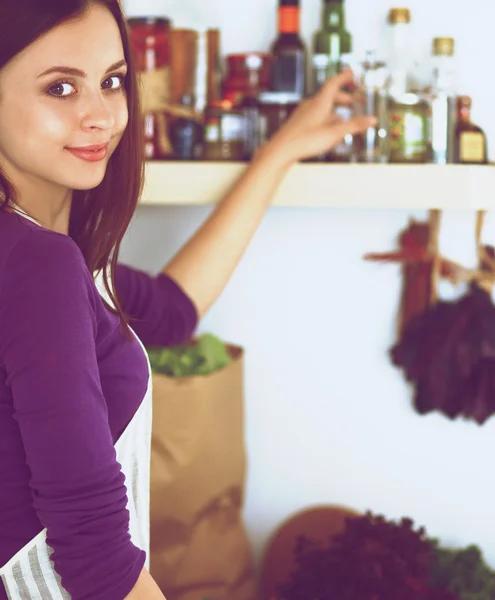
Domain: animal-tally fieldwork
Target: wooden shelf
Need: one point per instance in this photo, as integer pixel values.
(330, 185)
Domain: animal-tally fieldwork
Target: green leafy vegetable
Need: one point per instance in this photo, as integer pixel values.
(463, 572)
(204, 356)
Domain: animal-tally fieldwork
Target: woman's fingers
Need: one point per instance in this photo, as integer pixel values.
(344, 99)
(333, 87)
(314, 127)
(355, 125)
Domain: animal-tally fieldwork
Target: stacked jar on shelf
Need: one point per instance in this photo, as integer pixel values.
(195, 110)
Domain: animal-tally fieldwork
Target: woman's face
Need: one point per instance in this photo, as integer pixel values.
(61, 99)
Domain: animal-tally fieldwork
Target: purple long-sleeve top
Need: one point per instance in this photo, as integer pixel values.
(70, 382)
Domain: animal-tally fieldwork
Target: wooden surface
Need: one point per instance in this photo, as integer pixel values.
(403, 187)
(318, 523)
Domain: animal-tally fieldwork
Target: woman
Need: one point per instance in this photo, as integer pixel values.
(74, 396)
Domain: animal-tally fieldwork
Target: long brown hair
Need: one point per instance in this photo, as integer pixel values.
(99, 217)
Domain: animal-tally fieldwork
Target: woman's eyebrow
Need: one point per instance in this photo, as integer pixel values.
(78, 73)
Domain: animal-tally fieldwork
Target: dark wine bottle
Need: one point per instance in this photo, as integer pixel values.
(289, 51)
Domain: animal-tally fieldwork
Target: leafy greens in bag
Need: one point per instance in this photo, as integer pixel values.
(204, 356)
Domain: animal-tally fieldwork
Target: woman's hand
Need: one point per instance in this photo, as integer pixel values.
(313, 128)
(203, 266)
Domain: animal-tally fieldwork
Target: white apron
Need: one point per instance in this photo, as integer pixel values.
(30, 574)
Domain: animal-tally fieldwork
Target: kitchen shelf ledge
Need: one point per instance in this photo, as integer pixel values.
(391, 186)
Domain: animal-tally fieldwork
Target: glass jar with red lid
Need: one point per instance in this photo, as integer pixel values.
(239, 75)
(150, 42)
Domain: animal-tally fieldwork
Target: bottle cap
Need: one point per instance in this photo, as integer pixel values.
(464, 101)
(443, 46)
(399, 15)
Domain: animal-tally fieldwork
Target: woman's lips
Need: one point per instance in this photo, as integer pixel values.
(90, 153)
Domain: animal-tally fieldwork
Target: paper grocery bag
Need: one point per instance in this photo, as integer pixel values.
(199, 546)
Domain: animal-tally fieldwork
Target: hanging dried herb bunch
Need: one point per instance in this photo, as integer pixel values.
(447, 349)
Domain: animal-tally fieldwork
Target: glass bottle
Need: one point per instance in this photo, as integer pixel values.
(150, 43)
(342, 152)
(275, 108)
(321, 65)
(333, 40)
(224, 136)
(470, 140)
(332, 44)
(288, 72)
(443, 101)
(186, 132)
(250, 106)
(372, 146)
(408, 109)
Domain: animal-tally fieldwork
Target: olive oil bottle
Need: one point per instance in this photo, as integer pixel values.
(409, 110)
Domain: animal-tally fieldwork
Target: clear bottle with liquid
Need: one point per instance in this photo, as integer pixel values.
(250, 106)
(443, 101)
(409, 108)
(372, 146)
(342, 152)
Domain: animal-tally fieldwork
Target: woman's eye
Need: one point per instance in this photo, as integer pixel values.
(114, 83)
(62, 89)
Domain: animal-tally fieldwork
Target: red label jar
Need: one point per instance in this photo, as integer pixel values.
(238, 79)
(150, 42)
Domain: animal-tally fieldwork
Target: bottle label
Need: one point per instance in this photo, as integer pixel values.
(288, 73)
(155, 90)
(288, 19)
(472, 147)
(408, 133)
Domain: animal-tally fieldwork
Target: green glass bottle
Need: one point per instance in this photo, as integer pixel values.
(333, 39)
(331, 46)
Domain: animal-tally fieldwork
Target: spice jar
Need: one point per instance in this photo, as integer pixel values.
(150, 43)
(224, 132)
(239, 75)
(275, 108)
(186, 132)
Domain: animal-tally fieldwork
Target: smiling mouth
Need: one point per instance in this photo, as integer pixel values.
(92, 153)
(93, 148)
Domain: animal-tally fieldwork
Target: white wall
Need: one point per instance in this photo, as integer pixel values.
(328, 417)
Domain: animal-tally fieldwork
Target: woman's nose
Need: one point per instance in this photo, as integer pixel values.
(98, 113)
